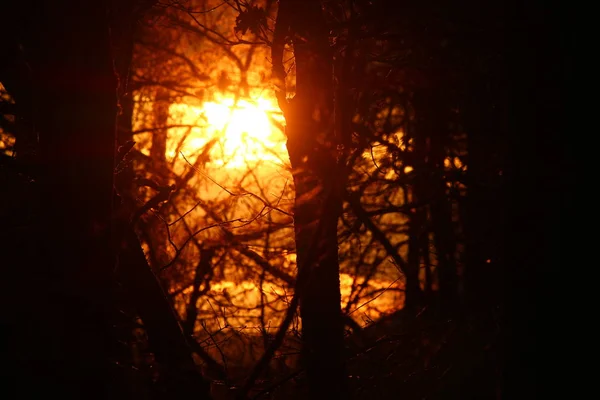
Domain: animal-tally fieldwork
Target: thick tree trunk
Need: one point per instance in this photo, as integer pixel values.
(311, 146)
(63, 338)
(75, 114)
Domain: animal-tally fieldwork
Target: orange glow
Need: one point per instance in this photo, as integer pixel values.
(245, 131)
(247, 135)
(247, 295)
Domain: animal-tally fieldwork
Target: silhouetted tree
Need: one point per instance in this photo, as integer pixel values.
(312, 147)
(75, 250)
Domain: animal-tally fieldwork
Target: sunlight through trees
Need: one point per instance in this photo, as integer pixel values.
(259, 199)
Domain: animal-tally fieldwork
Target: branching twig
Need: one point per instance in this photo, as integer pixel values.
(304, 274)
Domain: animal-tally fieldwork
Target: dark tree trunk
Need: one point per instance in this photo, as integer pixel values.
(485, 122)
(413, 293)
(123, 45)
(418, 223)
(432, 125)
(178, 373)
(124, 172)
(159, 137)
(202, 271)
(154, 228)
(68, 49)
(63, 342)
(311, 146)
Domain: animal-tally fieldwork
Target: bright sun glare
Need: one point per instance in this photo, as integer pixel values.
(245, 130)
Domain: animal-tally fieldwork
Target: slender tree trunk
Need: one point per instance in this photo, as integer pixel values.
(432, 124)
(179, 373)
(413, 292)
(311, 146)
(417, 219)
(155, 230)
(124, 173)
(159, 137)
(428, 277)
(202, 270)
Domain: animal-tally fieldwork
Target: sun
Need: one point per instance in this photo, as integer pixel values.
(247, 131)
(240, 120)
(245, 126)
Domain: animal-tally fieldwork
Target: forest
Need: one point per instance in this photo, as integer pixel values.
(293, 199)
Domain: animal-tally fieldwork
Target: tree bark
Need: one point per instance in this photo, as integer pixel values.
(311, 147)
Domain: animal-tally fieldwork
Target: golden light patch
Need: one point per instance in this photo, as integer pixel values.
(247, 131)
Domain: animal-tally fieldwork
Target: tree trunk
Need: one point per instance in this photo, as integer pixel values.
(63, 339)
(432, 124)
(178, 374)
(154, 228)
(311, 146)
(160, 111)
(76, 92)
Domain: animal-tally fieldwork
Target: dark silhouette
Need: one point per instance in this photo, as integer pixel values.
(318, 181)
(70, 253)
(424, 160)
